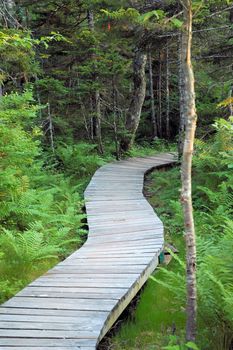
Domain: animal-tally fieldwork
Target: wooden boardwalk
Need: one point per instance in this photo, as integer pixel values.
(74, 305)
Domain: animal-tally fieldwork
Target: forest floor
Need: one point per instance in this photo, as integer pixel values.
(154, 317)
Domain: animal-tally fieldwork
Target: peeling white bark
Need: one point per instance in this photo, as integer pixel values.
(186, 197)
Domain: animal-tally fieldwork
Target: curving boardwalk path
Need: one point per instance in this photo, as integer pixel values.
(74, 305)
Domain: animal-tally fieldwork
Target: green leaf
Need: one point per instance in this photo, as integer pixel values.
(191, 345)
(176, 22)
(155, 13)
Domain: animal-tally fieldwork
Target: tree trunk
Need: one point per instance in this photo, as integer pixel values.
(114, 92)
(186, 196)
(98, 122)
(138, 97)
(231, 104)
(84, 114)
(10, 4)
(152, 97)
(90, 20)
(167, 94)
(160, 96)
(182, 50)
(96, 119)
(50, 128)
(7, 14)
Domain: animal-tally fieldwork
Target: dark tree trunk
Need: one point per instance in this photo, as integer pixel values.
(7, 14)
(167, 94)
(231, 103)
(138, 97)
(87, 125)
(96, 117)
(98, 122)
(152, 97)
(115, 124)
(186, 196)
(50, 128)
(90, 19)
(160, 97)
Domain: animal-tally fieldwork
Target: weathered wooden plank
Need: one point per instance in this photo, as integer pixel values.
(53, 312)
(85, 284)
(112, 254)
(51, 292)
(140, 213)
(85, 321)
(49, 347)
(125, 230)
(62, 303)
(90, 260)
(120, 203)
(154, 233)
(100, 264)
(51, 326)
(39, 342)
(26, 333)
(149, 242)
(114, 248)
(81, 280)
(104, 269)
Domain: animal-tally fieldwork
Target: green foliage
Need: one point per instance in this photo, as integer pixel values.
(150, 19)
(158, 14)
(80, 160)
(146, 149)
(213, 182)
(18, 51)
(40, 211)
(176, 22)
(174, 344)
(123, 14)
(19, 144)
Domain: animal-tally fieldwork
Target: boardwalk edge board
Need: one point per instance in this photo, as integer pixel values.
(76, 303)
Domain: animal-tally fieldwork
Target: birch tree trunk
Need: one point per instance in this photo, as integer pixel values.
(181, 57)
(186, 196)
(138, 97)
(152, 97)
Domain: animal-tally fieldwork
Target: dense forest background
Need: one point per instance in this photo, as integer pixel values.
(86, 82)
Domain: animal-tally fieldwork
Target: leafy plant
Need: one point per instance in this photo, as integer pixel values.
(81, 159)
(41, 214)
